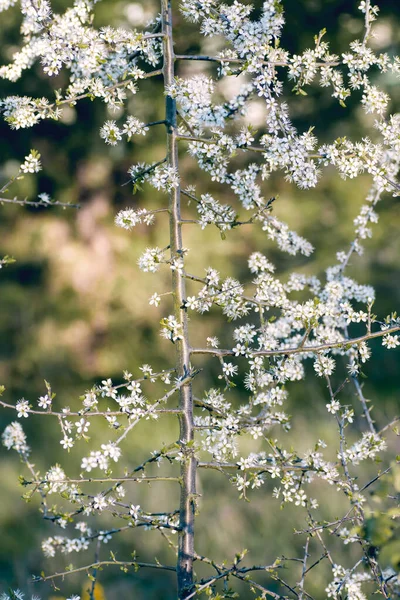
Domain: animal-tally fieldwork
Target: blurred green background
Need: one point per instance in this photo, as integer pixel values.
(74, 307)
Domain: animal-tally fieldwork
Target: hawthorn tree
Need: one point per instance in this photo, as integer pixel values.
(279, 325)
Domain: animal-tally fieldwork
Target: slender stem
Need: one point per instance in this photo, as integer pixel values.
(152, 123)
(152, 35)
(264, 150)
(363, 400)
(304, 570)
(103, 563)
(204, 140)
(301, 350)
(221, 60)
(367, 22)
(110, 88)
(186, 436)
(151, 479)
(219, 466)
(10, 181)
(37, 203)
(141, 174)
(87, 414)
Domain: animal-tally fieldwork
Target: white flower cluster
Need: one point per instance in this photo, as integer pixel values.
(195, 100)
(129, 218)
(368, 447)
(213, 212)
(287, 241)
(112, 134)
(31, 163)
(101, 458)
(296, 154)
(324, 365)
(69, 40)
(151, 260)
(164, 178)
(23, 408)
(347, 581)
(391, 341)
(171, 329)
(55, 480)
(65, 545)
(290, 153)
(14, 438)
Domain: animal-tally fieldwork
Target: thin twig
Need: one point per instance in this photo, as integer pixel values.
(306, 349)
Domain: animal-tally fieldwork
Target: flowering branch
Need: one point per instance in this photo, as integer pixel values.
(231, 427)
(343, 345)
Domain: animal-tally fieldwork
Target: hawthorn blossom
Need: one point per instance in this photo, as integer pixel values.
(32, 163)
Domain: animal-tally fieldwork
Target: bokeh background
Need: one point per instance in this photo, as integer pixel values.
(74, 307)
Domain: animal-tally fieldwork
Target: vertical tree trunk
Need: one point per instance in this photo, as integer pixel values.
(188, 466)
